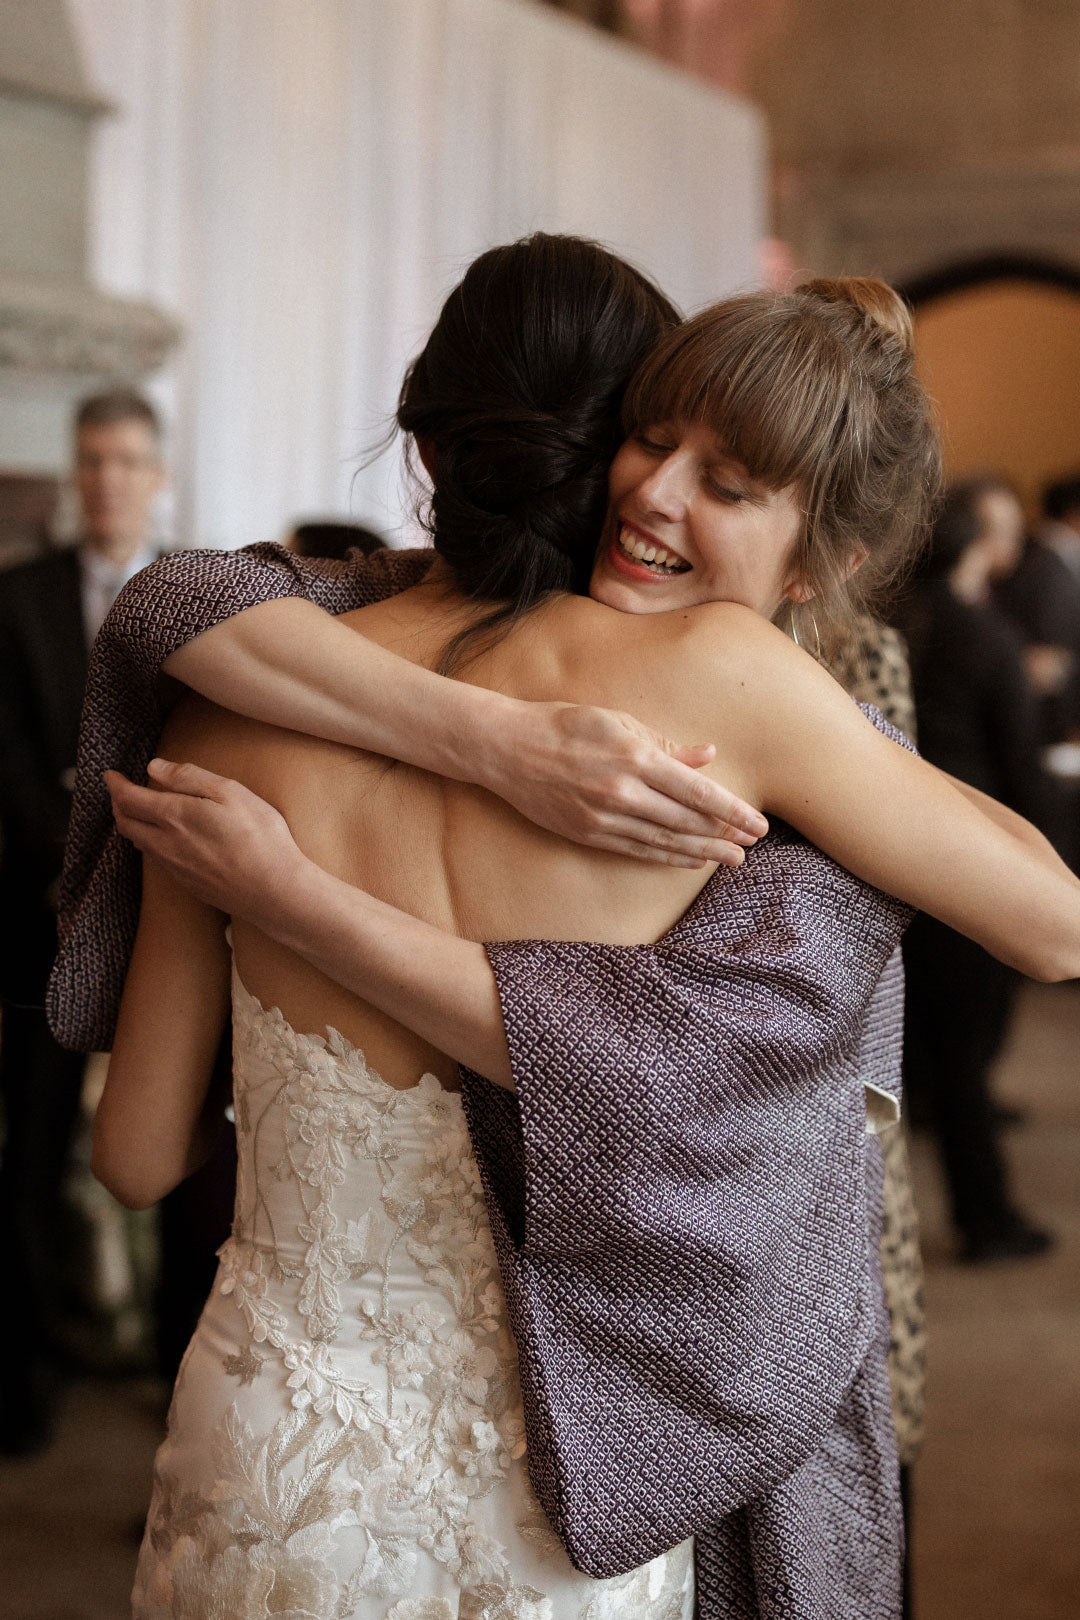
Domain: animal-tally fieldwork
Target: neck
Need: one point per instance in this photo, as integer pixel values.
(440, 572)
(117, 549)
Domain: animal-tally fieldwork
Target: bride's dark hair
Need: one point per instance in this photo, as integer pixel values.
(515, 400)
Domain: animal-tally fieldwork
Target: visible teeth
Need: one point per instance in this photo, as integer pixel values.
(657, 557)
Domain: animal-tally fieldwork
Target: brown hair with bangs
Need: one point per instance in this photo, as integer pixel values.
(814, 389)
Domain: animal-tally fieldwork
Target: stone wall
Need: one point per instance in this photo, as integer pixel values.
(905, 133)
(853, 87)
(910, 134)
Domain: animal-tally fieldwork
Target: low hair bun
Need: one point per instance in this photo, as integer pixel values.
(520, 495)
(530, 545)
(876, 300)
(515, 401)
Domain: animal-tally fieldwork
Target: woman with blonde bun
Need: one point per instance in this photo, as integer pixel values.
(666, 1073)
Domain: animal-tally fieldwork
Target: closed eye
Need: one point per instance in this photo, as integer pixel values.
(724, 492)
(653, 446)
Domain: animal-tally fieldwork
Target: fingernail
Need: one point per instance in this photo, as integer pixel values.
(743, 836)
(757, 825)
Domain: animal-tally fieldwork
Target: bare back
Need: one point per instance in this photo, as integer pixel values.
(449, 853)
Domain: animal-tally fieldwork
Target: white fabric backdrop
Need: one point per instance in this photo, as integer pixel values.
(302, 181)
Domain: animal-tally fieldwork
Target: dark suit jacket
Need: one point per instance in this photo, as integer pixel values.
(43, 657)
(977, 715)
(1042, 598)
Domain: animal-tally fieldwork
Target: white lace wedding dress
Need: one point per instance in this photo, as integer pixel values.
(346, 1438)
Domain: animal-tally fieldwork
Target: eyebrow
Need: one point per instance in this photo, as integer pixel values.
(738, 467)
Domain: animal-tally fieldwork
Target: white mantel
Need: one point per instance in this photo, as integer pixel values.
(60, 336)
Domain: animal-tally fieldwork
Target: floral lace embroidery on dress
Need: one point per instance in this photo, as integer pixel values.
(361, 1440)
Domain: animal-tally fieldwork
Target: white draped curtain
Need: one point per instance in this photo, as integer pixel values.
(302, 181)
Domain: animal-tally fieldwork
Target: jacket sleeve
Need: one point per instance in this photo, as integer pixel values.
(678, 1195)
(161, 609)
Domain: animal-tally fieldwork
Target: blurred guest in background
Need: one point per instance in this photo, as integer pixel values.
(1060, 530)
(330, 538)
(1039, 590)
(50, 611)
(977, 718)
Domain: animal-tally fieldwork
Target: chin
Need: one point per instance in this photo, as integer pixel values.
(618, 594)
(628, 596)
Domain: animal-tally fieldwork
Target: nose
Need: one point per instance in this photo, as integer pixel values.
(666, 489)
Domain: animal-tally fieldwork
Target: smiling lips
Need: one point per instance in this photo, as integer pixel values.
(649, 553)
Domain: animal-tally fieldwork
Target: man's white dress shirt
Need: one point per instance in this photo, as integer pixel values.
(103, 580)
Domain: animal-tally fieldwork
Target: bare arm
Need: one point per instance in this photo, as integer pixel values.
(434, 983)
(1008, 820)
(591, 775)
(158, 1120)
(217, 835)
(895, 820)
(889, 817)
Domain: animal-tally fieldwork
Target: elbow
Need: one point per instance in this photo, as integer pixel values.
(126, 1177)
(128, 1190)
(1055, 970)
(131, 1190)
(1051, 962)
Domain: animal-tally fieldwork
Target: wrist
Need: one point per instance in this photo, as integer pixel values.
(282, 906)
(484, 744)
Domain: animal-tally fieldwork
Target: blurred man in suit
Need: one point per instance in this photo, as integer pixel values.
(1040, 593)
(1060, 530)
(50, 611)
(977, 718)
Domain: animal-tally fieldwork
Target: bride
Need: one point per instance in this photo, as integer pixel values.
(353, 1431)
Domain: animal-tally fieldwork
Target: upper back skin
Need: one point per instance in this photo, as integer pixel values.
(450, 853)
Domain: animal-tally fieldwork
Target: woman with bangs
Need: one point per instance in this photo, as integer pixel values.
(664, 1078)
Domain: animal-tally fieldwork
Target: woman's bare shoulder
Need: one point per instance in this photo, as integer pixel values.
(710, 649)
(712, 625)
(703, 625)
(717, 672)
(199, 732)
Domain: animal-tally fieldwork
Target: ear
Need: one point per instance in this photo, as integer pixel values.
(800, 590)
(425, 449)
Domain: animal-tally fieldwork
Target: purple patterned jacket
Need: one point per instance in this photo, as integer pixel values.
(684, 1198)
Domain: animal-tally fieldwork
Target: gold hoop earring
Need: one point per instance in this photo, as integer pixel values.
(817, 637)
(816, 654)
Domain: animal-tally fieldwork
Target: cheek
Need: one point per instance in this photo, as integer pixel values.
(744, 560)
(628, 469)
(726, 549)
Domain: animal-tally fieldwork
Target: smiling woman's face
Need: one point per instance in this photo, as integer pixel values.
(687, 524)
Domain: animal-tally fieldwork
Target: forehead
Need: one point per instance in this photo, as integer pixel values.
(128, 434)
(702, 439)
